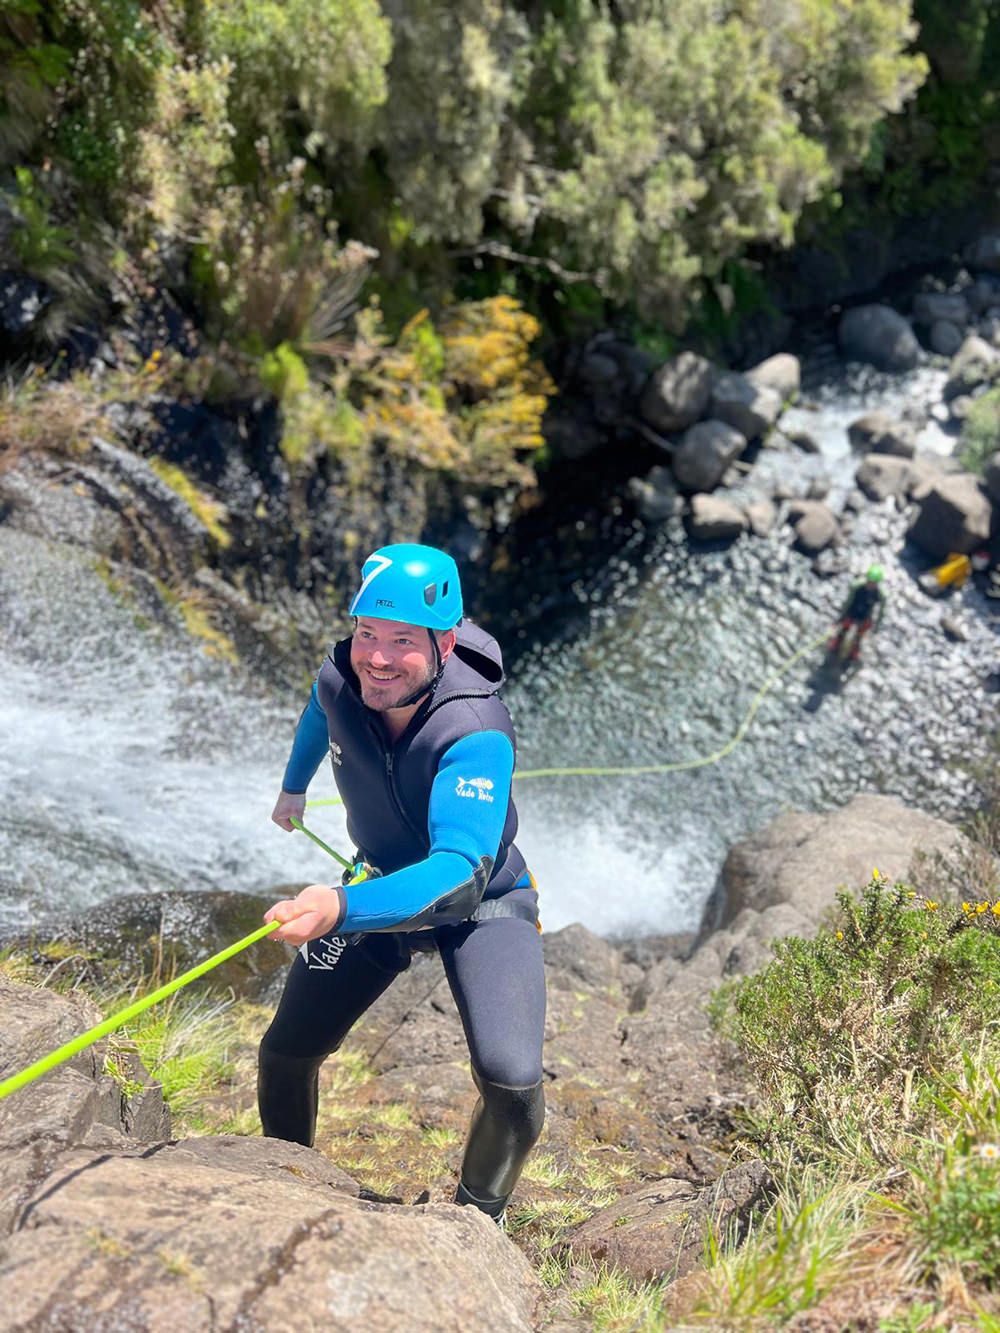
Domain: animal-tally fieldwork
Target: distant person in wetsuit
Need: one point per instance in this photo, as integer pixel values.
(422, 750)
(863, 609)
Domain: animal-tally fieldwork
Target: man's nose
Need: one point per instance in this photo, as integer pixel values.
(380, 659)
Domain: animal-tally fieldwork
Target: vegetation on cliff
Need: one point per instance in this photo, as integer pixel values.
(256, 158)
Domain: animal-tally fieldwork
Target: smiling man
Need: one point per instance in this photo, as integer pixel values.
(423, 756)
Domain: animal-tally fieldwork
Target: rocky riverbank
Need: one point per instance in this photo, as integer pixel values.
(107, 1222)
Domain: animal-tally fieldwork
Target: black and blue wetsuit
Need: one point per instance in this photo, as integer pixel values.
(433, 811)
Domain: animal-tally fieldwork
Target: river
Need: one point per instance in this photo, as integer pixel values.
(132, 761)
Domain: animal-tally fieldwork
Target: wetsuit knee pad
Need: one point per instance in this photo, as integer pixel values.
(288, 1095)
(505, 1126)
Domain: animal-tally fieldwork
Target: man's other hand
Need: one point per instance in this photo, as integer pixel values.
(289, 805)
(312, 913)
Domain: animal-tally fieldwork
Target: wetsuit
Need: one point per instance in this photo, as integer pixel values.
(433, 812)
(863, 608)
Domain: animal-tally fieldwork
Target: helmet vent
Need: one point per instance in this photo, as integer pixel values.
(430, 593)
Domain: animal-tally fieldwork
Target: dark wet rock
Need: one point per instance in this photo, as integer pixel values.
(658, 1231)
(750, 407)
(801, 859)
(929, 307)
(954, 516)
(704, 453)
(167, 933)
(945, 338)
(991, 477)
(976, 363)
(880, 336)
(677, 393)
(23, 301)
(879, 433)
(781, 372)
(984, 293)
(655, 496)
(983, 253)
(713, 519)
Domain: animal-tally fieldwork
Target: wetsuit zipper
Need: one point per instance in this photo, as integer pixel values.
(391, 784)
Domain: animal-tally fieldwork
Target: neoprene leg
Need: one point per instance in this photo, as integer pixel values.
(505, 1126)
(288, 1096)
(326, 992)
(497, 978)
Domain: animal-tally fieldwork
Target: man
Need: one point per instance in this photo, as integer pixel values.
(423, 757)
(863, 608)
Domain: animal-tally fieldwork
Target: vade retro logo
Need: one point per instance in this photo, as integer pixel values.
(475, 789)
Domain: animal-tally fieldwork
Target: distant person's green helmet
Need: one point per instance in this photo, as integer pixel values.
(875, 574)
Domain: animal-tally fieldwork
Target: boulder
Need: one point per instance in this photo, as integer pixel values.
(655, 496)
(955, 516)
(815, 525)
(945, 338)
(881, 475)
(880, 336)
(658, 1231)
(749, 407)
(983, 253)
(575, 956)
(781, 372)
(236, 1233)
(991, 477)
(677, 393)
(929, 307)
(879, 433)
(23, 301)
(804, 441)
(802, 859)
(984, 293)
(762, 515)
(705, 452)
(712, 519)
(975, 363)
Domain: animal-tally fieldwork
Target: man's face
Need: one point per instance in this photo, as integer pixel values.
(392, 660)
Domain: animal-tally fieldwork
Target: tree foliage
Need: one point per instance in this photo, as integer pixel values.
(642, 145)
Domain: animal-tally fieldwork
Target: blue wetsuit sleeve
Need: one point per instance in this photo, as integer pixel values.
(312, 740)
(466, 817)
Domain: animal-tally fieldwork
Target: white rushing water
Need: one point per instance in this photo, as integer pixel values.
(131, 761)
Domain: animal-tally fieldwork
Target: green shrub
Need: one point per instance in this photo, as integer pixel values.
(40, 245)
(981, 431)
(850, 1034)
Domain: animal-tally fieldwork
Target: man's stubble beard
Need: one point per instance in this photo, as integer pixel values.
(380, 701)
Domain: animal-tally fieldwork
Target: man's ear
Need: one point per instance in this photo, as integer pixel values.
(446, 644)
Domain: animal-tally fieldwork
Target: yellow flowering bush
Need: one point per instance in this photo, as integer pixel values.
(873, 1010)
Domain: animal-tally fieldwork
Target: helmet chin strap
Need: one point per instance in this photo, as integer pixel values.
(432, 684)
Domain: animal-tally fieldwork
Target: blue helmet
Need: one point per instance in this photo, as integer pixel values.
(415, 584)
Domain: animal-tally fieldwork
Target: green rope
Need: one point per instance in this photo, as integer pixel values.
(635, 770)
(320, 843)
(85, 1039)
